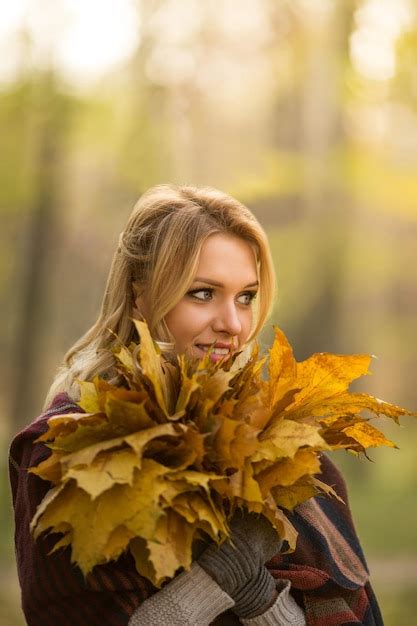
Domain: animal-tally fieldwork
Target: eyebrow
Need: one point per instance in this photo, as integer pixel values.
(216, 284)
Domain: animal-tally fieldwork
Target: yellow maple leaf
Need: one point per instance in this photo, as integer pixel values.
(290, 496)
(105, 471)
(89, 399)
(151, 367)
(233, 442)
(367, 435)
(285, 437)
(127, 409)
(50, 469)
(288, 471)
(93, 520)
(164, 462)
(282, 368)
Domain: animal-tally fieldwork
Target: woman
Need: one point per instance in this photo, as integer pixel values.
(196, 265)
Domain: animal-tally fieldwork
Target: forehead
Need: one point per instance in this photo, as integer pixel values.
(225, 256)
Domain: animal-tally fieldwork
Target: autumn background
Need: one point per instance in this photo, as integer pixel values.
(306, 110)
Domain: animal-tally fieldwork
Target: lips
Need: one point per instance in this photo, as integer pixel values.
(218, 350)
(223, 348)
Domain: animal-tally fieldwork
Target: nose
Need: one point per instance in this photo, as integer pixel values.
(227, 320)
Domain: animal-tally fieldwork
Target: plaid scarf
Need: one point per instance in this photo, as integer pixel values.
(328, 572)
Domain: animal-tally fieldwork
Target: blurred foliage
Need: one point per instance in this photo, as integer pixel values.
(398, 606)
(288, 106)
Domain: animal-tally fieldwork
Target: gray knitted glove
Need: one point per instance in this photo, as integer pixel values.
(192, 598)
(237, 565)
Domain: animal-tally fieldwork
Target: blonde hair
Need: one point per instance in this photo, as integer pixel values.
(159, 249)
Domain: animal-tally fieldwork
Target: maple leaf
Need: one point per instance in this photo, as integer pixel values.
(285, 437)
(290, 496)
(155, 465)
(287, 471)
(151, 367)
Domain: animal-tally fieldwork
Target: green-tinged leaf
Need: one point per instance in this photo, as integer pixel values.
(89, 400)
(127, 409)
(291, 496)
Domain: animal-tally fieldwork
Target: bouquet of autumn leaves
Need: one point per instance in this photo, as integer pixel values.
(165, 460)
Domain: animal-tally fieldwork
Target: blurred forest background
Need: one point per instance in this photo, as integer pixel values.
(306, 110)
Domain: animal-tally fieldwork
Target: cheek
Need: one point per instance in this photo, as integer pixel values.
(247, 324)
(185, 321)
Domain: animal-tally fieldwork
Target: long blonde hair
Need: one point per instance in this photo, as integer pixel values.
(159, 249)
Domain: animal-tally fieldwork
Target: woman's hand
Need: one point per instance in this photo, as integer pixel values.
(230, 576)
(237, 565)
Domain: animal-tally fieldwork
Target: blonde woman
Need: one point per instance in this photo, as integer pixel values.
(196, 264)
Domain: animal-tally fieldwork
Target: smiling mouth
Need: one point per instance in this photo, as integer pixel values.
(219, 352)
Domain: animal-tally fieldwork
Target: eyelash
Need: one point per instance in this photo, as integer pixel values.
(252, 295)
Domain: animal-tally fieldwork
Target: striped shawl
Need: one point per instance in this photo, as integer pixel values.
(328, 572)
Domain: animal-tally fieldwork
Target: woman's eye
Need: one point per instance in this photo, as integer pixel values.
(207, 294)
(247, 297)
(201, 294)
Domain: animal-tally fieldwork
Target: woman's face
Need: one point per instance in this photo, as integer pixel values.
(217, 307)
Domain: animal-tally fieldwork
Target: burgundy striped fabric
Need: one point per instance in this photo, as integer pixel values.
(328, 571)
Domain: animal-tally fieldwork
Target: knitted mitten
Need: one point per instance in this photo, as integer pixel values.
(237, 565)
